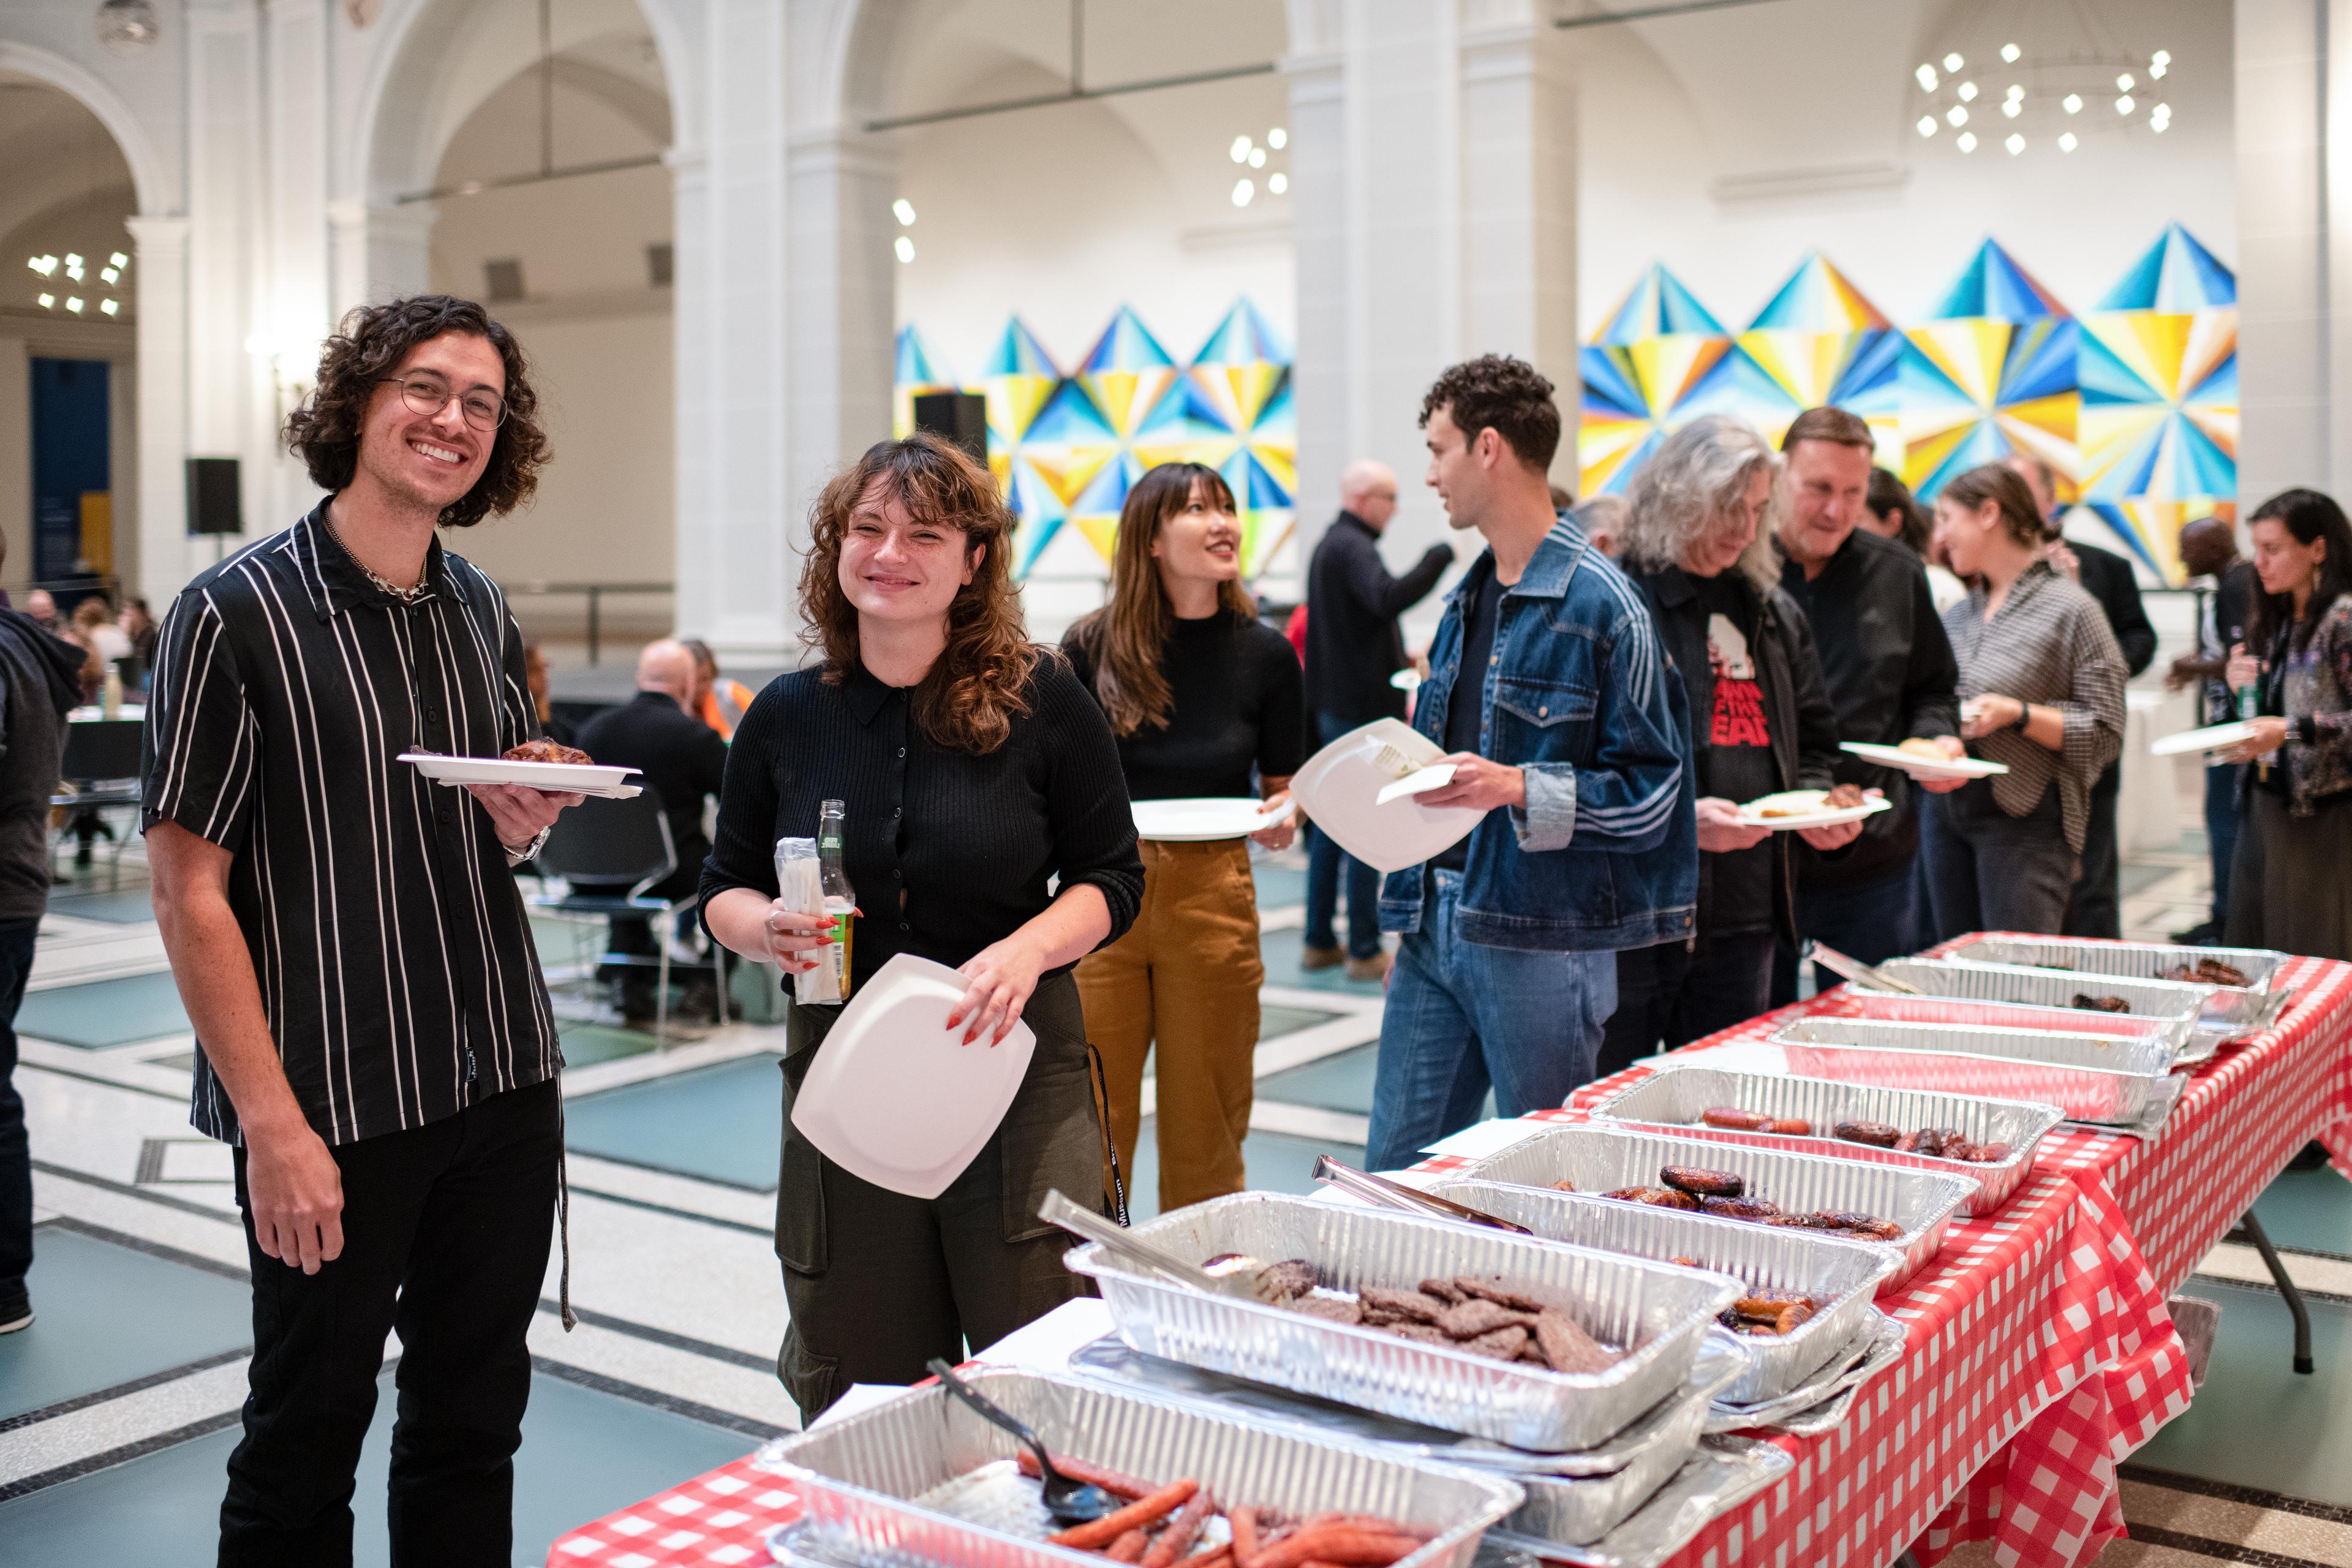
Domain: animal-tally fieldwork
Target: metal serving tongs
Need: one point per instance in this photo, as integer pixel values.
(1059, 1209)
(1856, 970)
(1397, 1195)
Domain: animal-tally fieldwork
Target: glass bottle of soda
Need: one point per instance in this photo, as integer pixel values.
(840, 898)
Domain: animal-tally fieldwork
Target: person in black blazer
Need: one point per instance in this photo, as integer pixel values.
(685, 761)
(2096, 908)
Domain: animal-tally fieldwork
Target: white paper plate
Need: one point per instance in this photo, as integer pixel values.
(895, 1096)
(2211, 738)
(1751, 813)
(1406, 679)
(584, 779)
(1202, 818)
(1920, 767)
(1341, 786)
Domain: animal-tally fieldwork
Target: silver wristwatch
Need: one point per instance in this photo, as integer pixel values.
(531, 851)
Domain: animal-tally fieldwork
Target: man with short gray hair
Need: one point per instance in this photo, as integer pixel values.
(1353, 646)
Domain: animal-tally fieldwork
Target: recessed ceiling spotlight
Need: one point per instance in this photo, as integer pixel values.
(2067, 144)
(73, 268)
(2159, 126)
(73, 303)
(2015, 144)
(2013, 107)
(905, 211)
(2009, 53)
(905, 247)
(118, 259)
(1967, 92)
(1240, 150)
(47, 301)
(1967, 141)
(2125, 82)
(108, 306)
(1257, 158)
(1927, 77)
(1277, 184)
(1955, 116)
(1277, 138)
(109, 275)
(1953, 62)
(2124, 105)
(1243, 191)
(1927, 125)
(2071, 104)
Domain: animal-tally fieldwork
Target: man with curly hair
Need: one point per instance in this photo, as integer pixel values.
(1566, 724)
(372, 1031)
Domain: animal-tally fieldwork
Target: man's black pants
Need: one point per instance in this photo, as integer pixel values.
(445, 1231)
(2095, 907)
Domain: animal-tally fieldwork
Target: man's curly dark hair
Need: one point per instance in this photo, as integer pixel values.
(1508, 396)
(368, 345)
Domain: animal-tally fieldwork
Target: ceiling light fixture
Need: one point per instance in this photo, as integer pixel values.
(1277, 184)
(1953, 62)
(2015, 144)
(905, 247)
(1927, 77)
(1257, 158)
(109, 275)
(2012, 108)
(118, 259)
(47, 301)
(2124, 105)
(2068, 142)
(1243, 191)
(1966, 92)
(73, 303)
(1955, 116)
(905, 211)
(44, 265)
(1967, 142)
(127, 27)
(108, 306)
(2009, 53)
(2125, 82)
(1927, 125)
(1277, 138)
(2073, 103)
(1240, 150)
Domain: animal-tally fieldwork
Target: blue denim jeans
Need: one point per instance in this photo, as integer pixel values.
(1325, 863)
(1462, 1016)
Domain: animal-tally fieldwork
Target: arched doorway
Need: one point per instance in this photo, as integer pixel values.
(68, 469)
(520, 160)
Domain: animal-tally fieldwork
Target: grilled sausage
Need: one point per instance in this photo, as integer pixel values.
(1701, 1182)
(1872, 1132)
(1738, 1208)
(1734, 1118)
(1790, 1126)
(1664, 1197)
(1863, 1225)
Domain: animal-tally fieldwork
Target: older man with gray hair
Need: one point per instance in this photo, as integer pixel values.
(1353, 646)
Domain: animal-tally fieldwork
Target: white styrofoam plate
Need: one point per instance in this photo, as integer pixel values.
(895, 1096)
(1406, 679)
(1341, 786)
(1751, 813)
(579, 779)
(1201, 818)
(2211, 738)
(1920, 767)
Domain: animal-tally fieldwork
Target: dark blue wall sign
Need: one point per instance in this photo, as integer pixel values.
(69, 457)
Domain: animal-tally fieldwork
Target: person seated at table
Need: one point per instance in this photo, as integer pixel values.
(975, 770)
(1199, 694)
(92, 619)
(685, 764)
(2041, 691)
(2291, 885)
(1759, 721)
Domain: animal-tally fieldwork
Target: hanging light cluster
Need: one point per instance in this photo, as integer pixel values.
(67, 283)
(1253, 155)
(2047, 95)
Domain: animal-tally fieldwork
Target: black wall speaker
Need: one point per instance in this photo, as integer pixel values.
(213, 505)
(959, 416)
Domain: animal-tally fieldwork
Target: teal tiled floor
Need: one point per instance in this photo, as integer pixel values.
(2310, 1209)
(586, 1043)
(585, 1454)
(99, 1326)
(122, 906)
(1278, 885)
(722, 1124)
(1342, 1082)
(2256, 1423)
(105, 1012)
(1280, 949)
(1277, 1163)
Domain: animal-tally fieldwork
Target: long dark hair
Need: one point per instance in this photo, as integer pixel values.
(1887, 494)
(975, 688)
(368, 345)
(1125, 637)
(2307, 515)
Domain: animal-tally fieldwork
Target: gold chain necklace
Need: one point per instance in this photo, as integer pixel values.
(406, 596)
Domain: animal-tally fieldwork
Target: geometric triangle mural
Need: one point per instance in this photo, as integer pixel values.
(1066, 449)
(2134, 404)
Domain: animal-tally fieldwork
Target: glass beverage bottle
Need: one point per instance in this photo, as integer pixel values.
(840, 898)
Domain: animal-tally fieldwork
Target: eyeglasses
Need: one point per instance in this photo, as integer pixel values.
(430, 395)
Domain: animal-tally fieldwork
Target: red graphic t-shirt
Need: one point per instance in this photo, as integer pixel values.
(1738, 700)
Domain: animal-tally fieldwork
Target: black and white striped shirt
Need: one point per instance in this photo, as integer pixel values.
(2048, 644)
(394, 959)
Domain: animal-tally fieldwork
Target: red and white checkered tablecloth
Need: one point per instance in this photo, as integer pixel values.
(2040, 1353)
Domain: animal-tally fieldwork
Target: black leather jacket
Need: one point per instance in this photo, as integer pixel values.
(1796, 704)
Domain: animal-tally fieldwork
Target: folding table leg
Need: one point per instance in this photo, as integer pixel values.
(2252, 1230)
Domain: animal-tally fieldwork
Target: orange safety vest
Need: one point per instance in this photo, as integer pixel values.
(723, 706)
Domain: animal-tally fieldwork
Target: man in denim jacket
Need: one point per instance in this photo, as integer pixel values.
(1572, 722)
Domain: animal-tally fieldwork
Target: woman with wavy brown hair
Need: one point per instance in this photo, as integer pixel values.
(1201, 696)
(975, 772)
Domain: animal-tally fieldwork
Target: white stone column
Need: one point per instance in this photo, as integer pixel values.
(378, 252)
(161, 270)
(231, 397)
(1321, 382)
(298, 312)
(839, 284)
(736, 576)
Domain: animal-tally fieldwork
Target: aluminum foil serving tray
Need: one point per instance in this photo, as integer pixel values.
(2090, 1078)
(1892, 1007)
(858, 1478)
(1659, 1313)
(2168, 999)
(1675, 1097)
(2237, 1008)
(1841, 1275)
(1603, 1159)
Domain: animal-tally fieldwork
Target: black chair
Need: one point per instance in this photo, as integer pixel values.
(608, 853)
(101, 768)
